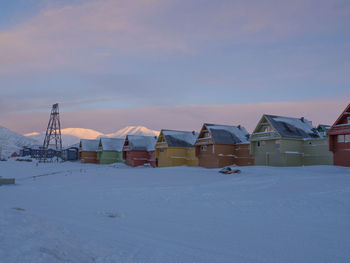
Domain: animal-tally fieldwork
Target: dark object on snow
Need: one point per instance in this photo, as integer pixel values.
(7, 181)
(23, 160)
(229, 170)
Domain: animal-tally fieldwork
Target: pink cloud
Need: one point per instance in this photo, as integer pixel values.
(189, 117)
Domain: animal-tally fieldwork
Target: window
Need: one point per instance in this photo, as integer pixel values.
(206, 135)
(267, 128)
(341, 138)
(260, 143)
(347, 137)
(277, 144)
(161, 150)
(203, 148)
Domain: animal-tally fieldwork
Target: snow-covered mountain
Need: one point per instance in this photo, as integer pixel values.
(133, 130)
(72, 136)
(11, 141)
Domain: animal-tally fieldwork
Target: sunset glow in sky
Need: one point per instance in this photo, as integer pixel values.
(172, 63)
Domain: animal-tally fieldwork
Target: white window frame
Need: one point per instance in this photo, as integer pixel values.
(203, 148)
(347, 138)
(341, 138)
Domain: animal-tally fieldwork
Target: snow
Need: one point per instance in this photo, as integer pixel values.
(133, 130)
(239, 131)
(111, 144)
(89, 145)
(305, 125)
(11, 141)
(72, 212)
(185, 136)
(72, 136)
(138, 142)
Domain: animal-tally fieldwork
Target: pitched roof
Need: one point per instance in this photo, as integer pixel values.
(89, 145)
(345, 113)
(112, 144)
(298, 128)
(142, 143)
(228, 134)
(179, 138)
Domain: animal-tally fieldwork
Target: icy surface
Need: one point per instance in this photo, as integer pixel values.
(73, 212)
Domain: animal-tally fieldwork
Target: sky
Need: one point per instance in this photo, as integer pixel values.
(172, 64)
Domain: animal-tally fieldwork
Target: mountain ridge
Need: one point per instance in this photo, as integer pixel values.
(11, 141)
(72, 136)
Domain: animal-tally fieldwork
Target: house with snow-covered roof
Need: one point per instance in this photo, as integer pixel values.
(339, 138)
(176, 148)
(287, 141)
(222, 145)
(139, 150)
(110, 150)
(88, 151)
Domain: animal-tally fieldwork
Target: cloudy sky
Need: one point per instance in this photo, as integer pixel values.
(172, 63)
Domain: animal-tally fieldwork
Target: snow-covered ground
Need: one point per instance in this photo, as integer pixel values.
(72, 212)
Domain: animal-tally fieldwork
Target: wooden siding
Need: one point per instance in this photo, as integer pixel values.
(108, 157)
(88, 157)
(139, 158)
(289, 152)
(175, 156)
(341, 149)
(221, 155)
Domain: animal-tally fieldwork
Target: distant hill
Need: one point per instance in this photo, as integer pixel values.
(72, 136)
(11, 141)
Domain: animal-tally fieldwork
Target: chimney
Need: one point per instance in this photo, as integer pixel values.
(239, 126)
(302, 119)
(193, 132)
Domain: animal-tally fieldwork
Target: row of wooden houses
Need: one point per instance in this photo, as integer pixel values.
(276, 141)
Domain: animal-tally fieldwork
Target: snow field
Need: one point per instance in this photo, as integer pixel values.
(72, 212)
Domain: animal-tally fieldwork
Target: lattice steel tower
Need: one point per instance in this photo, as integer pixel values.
(53, 132)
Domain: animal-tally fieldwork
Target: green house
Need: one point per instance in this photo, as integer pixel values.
(286, 141)
(110, 150)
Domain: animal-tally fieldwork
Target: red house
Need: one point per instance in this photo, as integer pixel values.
(139, 150)
(339, 139)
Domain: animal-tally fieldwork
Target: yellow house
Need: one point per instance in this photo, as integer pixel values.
(176, 148)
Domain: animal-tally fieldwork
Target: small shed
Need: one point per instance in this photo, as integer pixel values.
(110, 150)
(88, 151)
(139, 150)
(222, 145)
(70, 153)
(339, 138)
(287, 141)
(176, 148)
